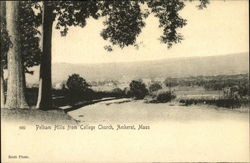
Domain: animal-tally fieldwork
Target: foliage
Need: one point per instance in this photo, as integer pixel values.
(127, 92)
(169, 18)
(165, 96)
(219, 82)
(138, 89)
(4, 37)
(155, 87)
(236, 92)
(224, 102)
(68, 13)
(29, 22)
(77, 87)
(117, 92)
(125, 20)
(5, 44)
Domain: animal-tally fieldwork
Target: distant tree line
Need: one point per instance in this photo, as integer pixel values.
(219, 82)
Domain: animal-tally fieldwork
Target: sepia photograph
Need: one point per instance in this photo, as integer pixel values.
(124, 81)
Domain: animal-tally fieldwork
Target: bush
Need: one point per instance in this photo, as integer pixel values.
(138, 89)
(236, 92)
(127, 92)
(154, 87)
(78, 88)
(166, 96)
(117, 92)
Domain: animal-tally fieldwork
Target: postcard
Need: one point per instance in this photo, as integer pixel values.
(124, 81)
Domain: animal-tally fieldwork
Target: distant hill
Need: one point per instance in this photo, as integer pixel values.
(177, 67)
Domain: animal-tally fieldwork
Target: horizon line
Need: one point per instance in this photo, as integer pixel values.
(148, 60)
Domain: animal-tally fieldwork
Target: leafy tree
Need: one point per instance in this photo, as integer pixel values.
(66, 13)
(138, 89)
(117, 92)
(155, 87)
(77, 87)
(124, 21)
(165, 96)
(29, 23)
(29, 35)
(29, 40)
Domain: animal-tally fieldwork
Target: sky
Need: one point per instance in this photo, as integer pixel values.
(220, 29)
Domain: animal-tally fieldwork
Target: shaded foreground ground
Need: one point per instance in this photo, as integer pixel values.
(34, 116)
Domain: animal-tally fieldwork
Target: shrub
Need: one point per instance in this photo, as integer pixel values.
(117, 92)
(236, 92)
(127, 92)
(138, 89)
(77, 87)
(155, 87)
(166, 96)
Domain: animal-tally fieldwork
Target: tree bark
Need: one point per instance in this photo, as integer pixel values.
(2, 15)
(15, 88)
(44, 101)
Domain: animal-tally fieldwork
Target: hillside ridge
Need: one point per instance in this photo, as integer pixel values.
(175, 67)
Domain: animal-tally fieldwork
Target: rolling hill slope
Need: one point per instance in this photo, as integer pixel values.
(178, 67)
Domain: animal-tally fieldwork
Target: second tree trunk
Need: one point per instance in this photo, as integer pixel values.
(44, 101)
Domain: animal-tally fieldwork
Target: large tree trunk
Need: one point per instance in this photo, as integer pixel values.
(44, 101)
(2, 15)
(15, 88)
